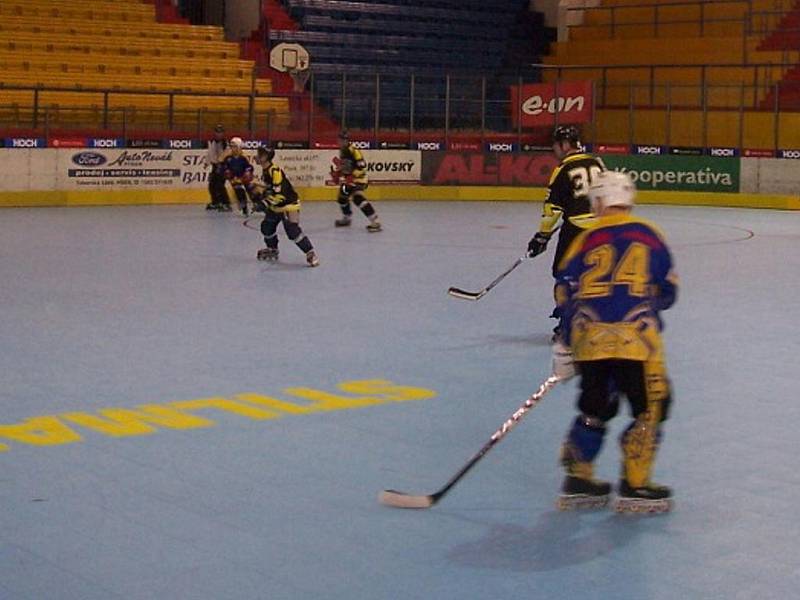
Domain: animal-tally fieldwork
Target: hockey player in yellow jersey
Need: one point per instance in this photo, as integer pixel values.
(567, 201)
(277, 198)
(612, 284)
(351, 175)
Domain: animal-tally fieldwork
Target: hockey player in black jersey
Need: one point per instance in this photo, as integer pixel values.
(567, 198)
(351, 176)
(277, 198)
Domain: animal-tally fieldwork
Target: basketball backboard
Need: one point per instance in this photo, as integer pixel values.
(289, 57)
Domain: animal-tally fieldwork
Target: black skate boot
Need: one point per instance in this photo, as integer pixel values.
(312, 259)
(212, 206)
(224, 208)
(343, 222)
(270, 254)
(649, 498)
(374, 226)
(577, 492)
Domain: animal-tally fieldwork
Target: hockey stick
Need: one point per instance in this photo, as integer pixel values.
(247, 224)
(403, 500)
(459, 293)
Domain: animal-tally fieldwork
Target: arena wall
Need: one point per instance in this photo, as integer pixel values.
(111, 176)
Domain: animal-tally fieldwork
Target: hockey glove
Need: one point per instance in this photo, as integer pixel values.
(538, 244)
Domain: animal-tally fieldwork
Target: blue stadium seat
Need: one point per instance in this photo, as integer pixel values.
(430, 39)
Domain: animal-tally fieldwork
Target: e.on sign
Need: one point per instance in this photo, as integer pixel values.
(537, 104)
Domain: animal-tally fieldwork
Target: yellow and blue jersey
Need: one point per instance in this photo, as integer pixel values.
(238, 167)
(612, 282)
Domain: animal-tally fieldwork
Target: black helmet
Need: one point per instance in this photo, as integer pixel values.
(567, 133)
(344, 135)
(219, 128)
(266, 152)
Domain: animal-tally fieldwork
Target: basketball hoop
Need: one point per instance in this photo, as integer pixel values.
(293, 59)
(299, 78)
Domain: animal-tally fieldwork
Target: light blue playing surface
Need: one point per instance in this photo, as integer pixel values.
(275, 498)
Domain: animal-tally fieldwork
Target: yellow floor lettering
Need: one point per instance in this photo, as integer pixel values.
(112, 422)
(145, 419)
(227, 405)
(156, 414)
(325, 401)
(383, 387)
(287, 407)
(47, 430)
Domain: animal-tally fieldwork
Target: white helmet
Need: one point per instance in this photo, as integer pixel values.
(611, 188)
(237, 141)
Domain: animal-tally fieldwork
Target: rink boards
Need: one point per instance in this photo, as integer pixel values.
(124, 176)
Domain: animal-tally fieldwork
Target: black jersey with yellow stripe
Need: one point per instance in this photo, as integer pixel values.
(280, 192)
(353, 163)
(568, 199)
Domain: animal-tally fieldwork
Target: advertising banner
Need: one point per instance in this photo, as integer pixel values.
(679, 173)
(723, 152)
(163, 168)
(24, 143)
(383, 167)
(686, 151)
(100, 168)
(469, 168)
(536, 104)
(429, 146)
(68, 142)
(145, 143)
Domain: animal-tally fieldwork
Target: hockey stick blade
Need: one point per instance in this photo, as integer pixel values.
(459, 293)
(403, 500)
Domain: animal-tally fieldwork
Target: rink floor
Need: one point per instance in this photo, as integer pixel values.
(181, 421)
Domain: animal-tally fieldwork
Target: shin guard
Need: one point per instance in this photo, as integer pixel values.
(366, 207)
(582, 445)
(639, 445)
(295, 233)
(640, 440)
(344, 202)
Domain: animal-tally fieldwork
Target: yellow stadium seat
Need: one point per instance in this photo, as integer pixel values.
(110, 63)
(89, 44)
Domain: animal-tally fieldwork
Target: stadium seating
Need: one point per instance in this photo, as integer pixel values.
(672, 62)
(91, 57)
(351, 42)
